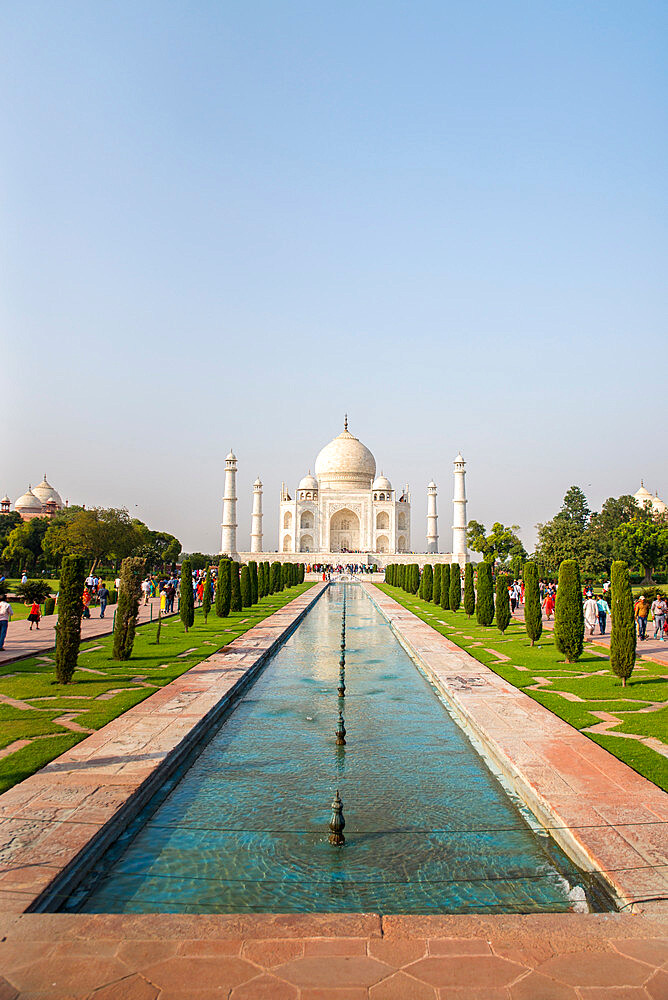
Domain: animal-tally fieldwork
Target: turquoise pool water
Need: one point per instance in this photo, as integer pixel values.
(244, 828)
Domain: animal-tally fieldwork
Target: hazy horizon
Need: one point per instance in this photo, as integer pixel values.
(227, 225)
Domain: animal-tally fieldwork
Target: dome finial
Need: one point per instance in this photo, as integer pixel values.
(345, 421)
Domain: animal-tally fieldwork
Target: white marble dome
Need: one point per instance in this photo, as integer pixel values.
(345, 463)
(382, 483)
(309, 482)
(28, 502)
(46, 492)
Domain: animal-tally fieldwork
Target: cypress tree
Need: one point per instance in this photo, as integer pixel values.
(469, 590)
(416, 578)
(485, 603)
(70, 610)
(436, 587)
(427, 582)
(246, 588)
(302, 572)
(402, 576)
(264, 579)
(223, 591)
(206, 594)
(275, 578)
(419, 590)
(568, 614)
(132, 570)
(235, 588)
(533, 614)
(445, 587)
(502, 602)
(455, 587)
(285, 575)
(623, 636)
(186, 599)
(255, 583)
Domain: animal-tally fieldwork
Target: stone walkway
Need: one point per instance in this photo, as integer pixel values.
(21, 642)
(601, 812)
(333, 957)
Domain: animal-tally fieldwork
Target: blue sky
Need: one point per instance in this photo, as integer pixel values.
(227, 223)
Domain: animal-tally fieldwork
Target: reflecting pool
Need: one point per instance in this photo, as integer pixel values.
(244, 828)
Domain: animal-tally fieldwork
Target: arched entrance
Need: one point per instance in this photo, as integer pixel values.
(344, 531)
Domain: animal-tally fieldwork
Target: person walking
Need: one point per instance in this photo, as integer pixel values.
(86, 603)
(548, 605)
(35, 615)
(590, 608)
(6, 612)
(641, 611)
(659, 609)
(146, 590)
(603, 612)
(103, 595)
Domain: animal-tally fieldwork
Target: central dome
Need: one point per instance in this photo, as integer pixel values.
(345, 463)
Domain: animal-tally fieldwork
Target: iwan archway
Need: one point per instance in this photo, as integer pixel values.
(344, 531)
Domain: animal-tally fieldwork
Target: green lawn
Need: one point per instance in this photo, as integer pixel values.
(590, 679)
(88, 695)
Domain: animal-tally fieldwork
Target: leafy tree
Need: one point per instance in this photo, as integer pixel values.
(502, 602)
(567, 535)
(445, 586)
(197, 560)
(485, 601)
(455, 598)
(469, 590)
(246, 587)
(132, 572)
(603, 525)
(255, 585)
(235, 588)
(623, 637)
(533, 615)
(23, 548)
(158, 548)
(70, 610)
(436, 589)
(500, 543)
(206, 594)
(643, 542)
(223, 589)
(568, 613)
(7, 524)
(427, 582)
(186, 597)
(102, 533)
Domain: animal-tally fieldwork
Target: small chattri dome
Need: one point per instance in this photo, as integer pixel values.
(460, 457)
(28, 502)
(231, 457)
(45, 492)
(309, 482)
(258, 482)
(382, 483)
(432, 484)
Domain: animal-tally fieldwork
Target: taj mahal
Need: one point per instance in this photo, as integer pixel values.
(344, 507)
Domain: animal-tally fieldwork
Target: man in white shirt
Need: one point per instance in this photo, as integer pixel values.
(6, 612)
(146, 589)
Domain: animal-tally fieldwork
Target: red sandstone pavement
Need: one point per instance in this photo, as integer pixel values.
(334, 957)
(21, 642)
(605, 815)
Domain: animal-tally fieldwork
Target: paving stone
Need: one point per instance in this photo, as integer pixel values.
(657, 986)
(265, 987)
(270, 953)
(396, 952)
(342, 970)
(468, 970)
(613, 993)
(538, 987)
(67, 975)
(654, 952)
(181, 972)
(588, 969)
(338, 993)
(7, 991)
(458, 946)
(402, 987)
(335, 946)
(139, 954)
(211, 947)
(132, 988)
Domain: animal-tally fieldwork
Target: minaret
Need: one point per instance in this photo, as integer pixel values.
(229, 541)
(459, 550)
(256, 517)
(432, 518)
